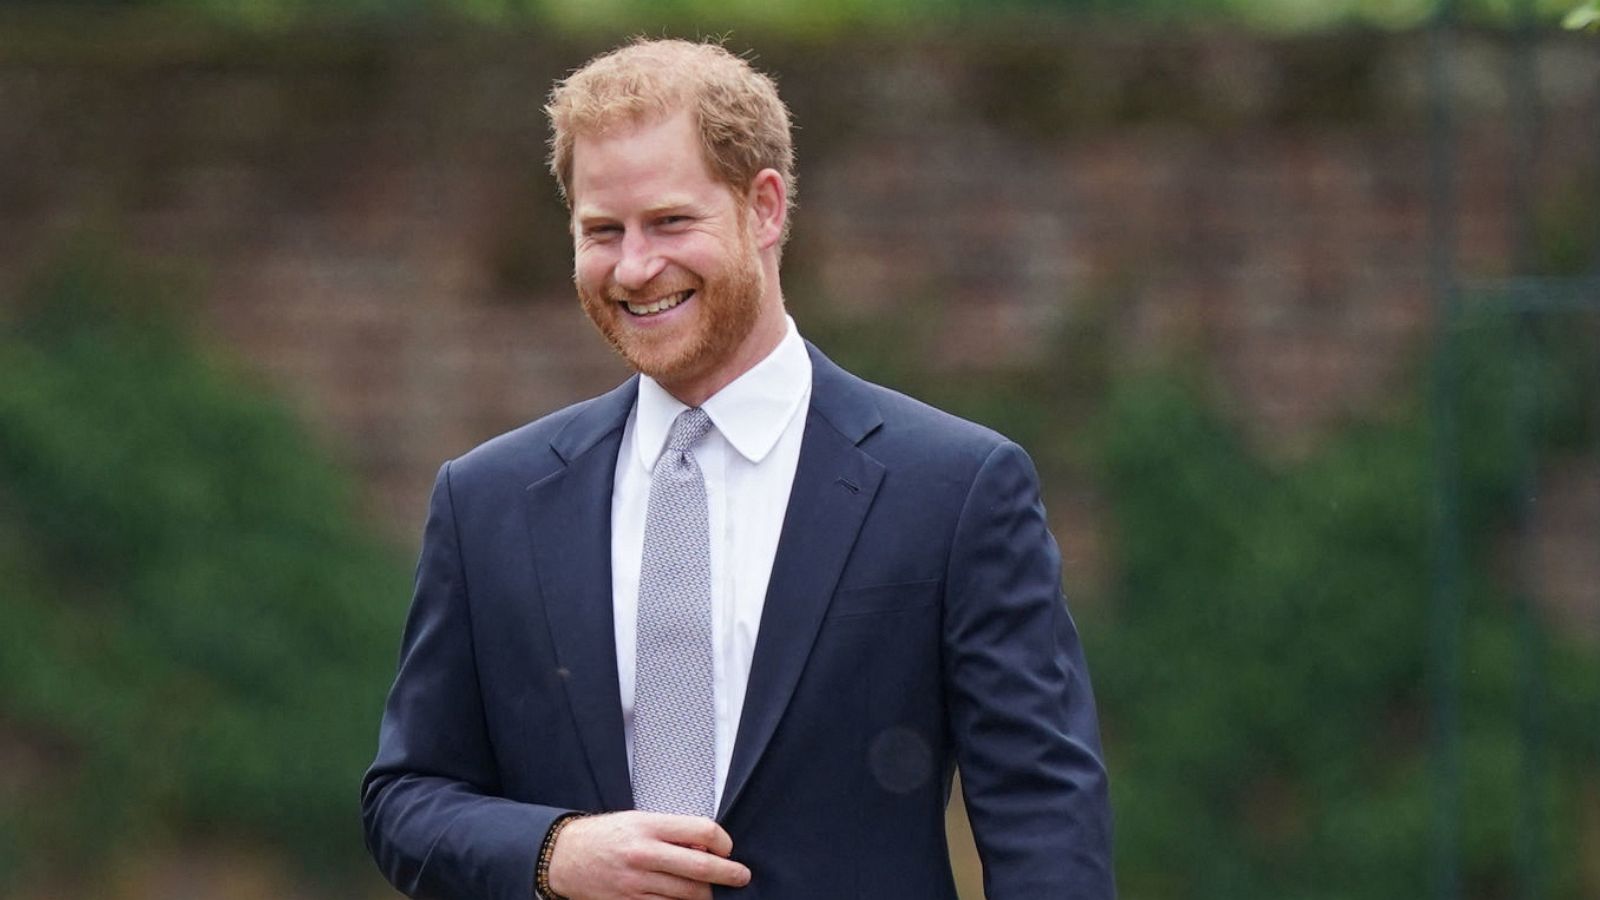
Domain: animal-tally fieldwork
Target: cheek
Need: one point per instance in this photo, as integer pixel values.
(710, 256)
(589, 270)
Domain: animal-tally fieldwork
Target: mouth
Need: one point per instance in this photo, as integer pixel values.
(656, 307)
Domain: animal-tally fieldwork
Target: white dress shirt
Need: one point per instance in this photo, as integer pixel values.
(748, 461)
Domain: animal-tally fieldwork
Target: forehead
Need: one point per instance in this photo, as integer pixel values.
(644, 161)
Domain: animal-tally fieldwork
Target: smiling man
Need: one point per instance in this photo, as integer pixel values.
(728, 630)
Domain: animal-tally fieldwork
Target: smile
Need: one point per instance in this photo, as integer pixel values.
(657, 306)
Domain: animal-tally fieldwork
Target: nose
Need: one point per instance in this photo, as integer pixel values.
(639, 262)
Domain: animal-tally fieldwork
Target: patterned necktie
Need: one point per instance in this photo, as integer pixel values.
(674, 721)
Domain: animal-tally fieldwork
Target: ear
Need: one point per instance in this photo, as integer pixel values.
(768, 203)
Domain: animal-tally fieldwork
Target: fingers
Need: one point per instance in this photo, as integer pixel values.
(656, 884)
(691, 831)
(701, 867)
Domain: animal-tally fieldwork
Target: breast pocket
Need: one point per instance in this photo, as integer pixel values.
(882, 599)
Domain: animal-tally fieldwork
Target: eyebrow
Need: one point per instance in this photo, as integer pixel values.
(673, 205)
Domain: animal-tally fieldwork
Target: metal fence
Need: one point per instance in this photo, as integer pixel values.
(1530, 303)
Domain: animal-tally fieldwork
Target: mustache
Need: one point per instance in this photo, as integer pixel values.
(649, 293)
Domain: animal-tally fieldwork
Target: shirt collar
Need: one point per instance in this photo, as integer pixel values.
(751, 412)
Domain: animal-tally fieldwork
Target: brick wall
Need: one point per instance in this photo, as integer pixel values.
(368, 219)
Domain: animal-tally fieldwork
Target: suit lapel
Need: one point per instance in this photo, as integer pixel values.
(569, 517)
(834, 484)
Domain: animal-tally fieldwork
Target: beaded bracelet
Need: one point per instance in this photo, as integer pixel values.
(541, 873)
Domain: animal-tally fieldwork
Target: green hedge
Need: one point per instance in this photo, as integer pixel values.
(197, 633)
(1265, 673)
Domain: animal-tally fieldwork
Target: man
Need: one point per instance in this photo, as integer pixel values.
(728, 629)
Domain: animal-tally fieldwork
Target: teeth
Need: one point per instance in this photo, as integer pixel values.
(665, 303)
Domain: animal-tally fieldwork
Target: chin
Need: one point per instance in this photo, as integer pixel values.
(668, 365)
(674, 359)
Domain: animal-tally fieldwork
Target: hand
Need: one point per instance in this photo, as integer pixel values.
(628, 855)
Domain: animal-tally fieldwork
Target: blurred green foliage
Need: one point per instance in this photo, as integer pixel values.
(197, 633)
(833, 16)
(1265, 672)
(1586, 16)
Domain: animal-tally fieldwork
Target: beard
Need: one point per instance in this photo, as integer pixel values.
(729, 302)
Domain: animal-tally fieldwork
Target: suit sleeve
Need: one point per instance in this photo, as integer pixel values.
(433, 821)
(1026, 737)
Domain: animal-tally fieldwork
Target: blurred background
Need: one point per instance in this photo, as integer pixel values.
(1293, 301)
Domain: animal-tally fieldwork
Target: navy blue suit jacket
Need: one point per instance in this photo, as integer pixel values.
(914, 623)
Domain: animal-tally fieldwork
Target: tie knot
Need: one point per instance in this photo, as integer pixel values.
(687, 429)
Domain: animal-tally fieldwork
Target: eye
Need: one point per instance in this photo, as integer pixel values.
(670, 221)
(602, 232)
